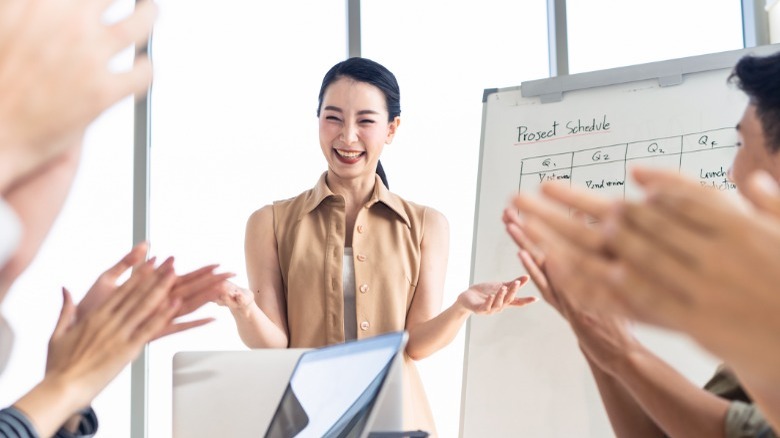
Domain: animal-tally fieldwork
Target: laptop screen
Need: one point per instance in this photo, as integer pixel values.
(333, 389)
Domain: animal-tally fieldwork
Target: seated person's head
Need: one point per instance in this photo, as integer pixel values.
(759, 128)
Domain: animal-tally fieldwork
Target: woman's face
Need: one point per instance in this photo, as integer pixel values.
(354, 127)
(754, 152)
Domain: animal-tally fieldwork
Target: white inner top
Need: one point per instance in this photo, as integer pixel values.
(348, 281)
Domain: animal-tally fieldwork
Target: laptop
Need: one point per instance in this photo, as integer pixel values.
(238, 393)
(334, 391)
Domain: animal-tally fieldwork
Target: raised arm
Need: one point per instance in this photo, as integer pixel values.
(37, 201)
(625, 414)
(621, 365)
(638, 388)
(55, 76)
(86, 354)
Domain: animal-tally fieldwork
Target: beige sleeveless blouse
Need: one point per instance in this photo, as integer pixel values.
(310, 236)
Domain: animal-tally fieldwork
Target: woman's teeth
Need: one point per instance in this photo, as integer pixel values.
(348, 154)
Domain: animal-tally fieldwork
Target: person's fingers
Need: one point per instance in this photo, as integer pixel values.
(578, 279)
(513, 225)
(686, 200)
(132, 258)
(668, 263)
(141, 274)
(236, 299)
(637, 297)
(490, 298)
(135, 29)
(512, 222)
(576, 198)
(557, 220)
(641, 232)
(156, 321)
(538, 277)
(133, 82)
(523, 301)
(236, 296)
(208, 293)
(183, 280)
(196, 285)
(511, 292)
(143, 299)
(182, 326)
(522, 280)
(763, 192)
(649, 176)
(525, 243)
(498, 299)
(199, 290)
(509, 215)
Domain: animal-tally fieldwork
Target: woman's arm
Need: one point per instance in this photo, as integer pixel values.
(425, 337)
(429, 330)
(260, 312)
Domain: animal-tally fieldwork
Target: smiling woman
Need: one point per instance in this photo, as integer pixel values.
(350, 260)
(358, 87)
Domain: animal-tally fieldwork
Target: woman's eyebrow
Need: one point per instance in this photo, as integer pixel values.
(360, 113)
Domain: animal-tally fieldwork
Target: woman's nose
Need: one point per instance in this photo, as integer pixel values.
(349, 134)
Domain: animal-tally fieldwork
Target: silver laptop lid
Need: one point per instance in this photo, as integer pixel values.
(333, 390)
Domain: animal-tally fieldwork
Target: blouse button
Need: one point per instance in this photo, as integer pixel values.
(364, 325)
(360, 229)
(363, 288)
(361, 258)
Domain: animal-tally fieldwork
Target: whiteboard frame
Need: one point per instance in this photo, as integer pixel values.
(668, 73)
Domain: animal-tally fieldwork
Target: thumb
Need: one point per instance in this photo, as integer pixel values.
(67, 314)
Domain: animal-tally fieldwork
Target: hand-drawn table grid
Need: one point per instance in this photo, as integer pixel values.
(705, 156)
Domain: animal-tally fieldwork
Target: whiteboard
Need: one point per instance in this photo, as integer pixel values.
(524, 374)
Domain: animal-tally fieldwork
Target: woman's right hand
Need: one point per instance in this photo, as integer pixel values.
(233, 297)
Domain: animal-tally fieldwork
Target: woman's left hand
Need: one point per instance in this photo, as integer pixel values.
(493, 297)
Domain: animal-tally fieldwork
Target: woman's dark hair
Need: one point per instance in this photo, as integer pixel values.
(373, 73)
(759, 78)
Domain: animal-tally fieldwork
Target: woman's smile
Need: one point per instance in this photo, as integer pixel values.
(349, 157)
